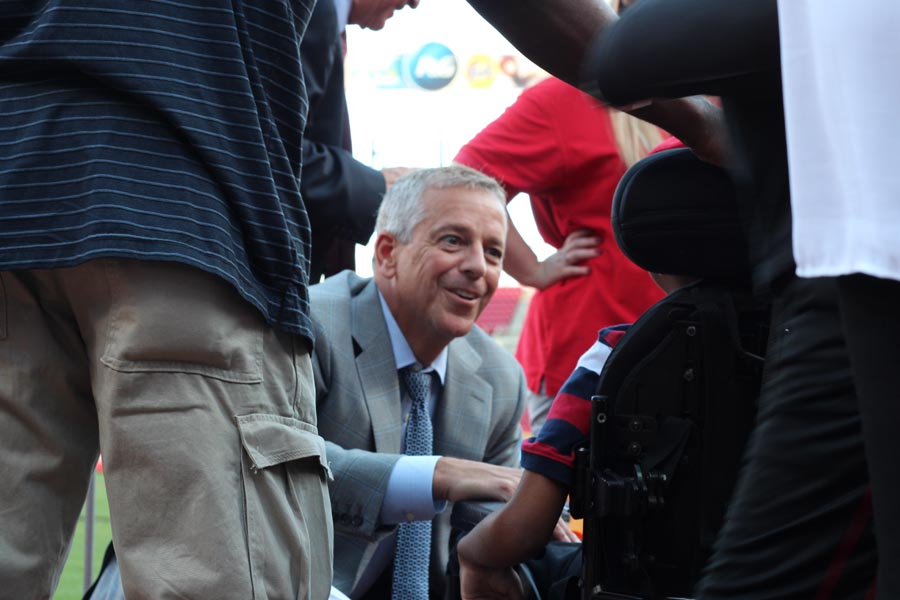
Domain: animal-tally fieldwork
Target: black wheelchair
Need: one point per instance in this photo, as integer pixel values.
(675, 403)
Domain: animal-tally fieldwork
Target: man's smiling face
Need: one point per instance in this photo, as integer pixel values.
(441, 280)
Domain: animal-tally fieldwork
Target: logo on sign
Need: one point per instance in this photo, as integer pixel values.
(433, 66)
(481, 71)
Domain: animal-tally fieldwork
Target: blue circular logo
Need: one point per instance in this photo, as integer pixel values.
(433, 66)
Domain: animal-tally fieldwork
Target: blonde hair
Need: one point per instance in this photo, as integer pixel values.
(634, 138)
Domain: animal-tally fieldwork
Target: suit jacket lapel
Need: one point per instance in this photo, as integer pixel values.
(377, 370)
(462, 415)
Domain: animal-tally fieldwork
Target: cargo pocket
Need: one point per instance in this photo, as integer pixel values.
(288, 514)
(177, 319)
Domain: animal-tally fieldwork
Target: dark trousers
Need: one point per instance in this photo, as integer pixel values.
(799, 525)
(870, 308)
(381, 588)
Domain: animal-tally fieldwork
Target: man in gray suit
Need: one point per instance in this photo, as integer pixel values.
(438, 255)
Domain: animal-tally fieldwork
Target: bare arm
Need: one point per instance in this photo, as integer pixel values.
(696, 121)
(509, 536)
(557, 34)
(520, 529)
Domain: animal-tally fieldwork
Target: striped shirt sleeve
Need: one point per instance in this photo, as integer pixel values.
(552, 452)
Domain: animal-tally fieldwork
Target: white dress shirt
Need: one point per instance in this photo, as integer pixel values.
(841, 99)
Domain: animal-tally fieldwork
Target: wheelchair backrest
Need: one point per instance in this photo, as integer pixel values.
(676, 398)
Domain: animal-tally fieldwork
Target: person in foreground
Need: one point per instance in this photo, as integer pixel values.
(397, 456)
(153, 297)
(568, 153)
(771, 545)
(519, 530)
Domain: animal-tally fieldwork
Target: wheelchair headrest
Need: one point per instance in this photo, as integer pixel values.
(673, 213)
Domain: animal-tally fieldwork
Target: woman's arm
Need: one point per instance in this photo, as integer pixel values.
(521, 262)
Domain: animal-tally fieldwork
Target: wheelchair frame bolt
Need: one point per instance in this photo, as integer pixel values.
(691, 330)
(688, 374)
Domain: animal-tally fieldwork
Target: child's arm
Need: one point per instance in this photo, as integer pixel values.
(519, 530)
(511, 535)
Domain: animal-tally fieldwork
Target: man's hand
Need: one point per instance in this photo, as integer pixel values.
(562, 533)
(457, 479)
(392, 174)
(485, 583)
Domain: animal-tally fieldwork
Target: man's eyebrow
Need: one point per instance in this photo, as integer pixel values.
(453, 227)
(468, 230)
(497, 241)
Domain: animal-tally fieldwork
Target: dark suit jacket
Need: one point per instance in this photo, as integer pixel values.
(340, 193)
(359, 415)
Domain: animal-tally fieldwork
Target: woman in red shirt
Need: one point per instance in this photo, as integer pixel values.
(561, 147)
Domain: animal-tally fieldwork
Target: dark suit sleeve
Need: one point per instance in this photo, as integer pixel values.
(340, 193)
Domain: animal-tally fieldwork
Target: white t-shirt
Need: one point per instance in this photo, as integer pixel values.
(841, 75)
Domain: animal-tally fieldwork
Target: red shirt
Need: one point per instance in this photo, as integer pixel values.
(557, 145)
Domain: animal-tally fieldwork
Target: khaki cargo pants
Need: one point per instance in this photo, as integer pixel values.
(205, 416)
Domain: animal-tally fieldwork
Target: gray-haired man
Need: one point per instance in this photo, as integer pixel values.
(438, 256)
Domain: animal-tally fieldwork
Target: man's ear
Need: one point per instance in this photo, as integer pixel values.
(386, 245)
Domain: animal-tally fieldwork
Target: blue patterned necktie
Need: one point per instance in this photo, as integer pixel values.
(414, 538)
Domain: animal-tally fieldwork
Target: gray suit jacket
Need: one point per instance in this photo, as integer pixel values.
(358, 406)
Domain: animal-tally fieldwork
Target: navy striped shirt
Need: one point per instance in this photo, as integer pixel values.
(162, 130)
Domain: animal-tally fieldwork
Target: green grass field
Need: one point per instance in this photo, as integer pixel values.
(71, 583)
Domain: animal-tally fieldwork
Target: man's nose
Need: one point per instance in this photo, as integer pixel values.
(474, 263)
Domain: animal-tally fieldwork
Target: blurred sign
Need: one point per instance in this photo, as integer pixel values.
(426, 83)
(432, 67)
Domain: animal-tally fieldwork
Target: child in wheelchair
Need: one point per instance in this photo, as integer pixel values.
(652, 470)
(520, 529)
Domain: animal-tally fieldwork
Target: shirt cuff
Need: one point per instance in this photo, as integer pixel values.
(409, 491)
